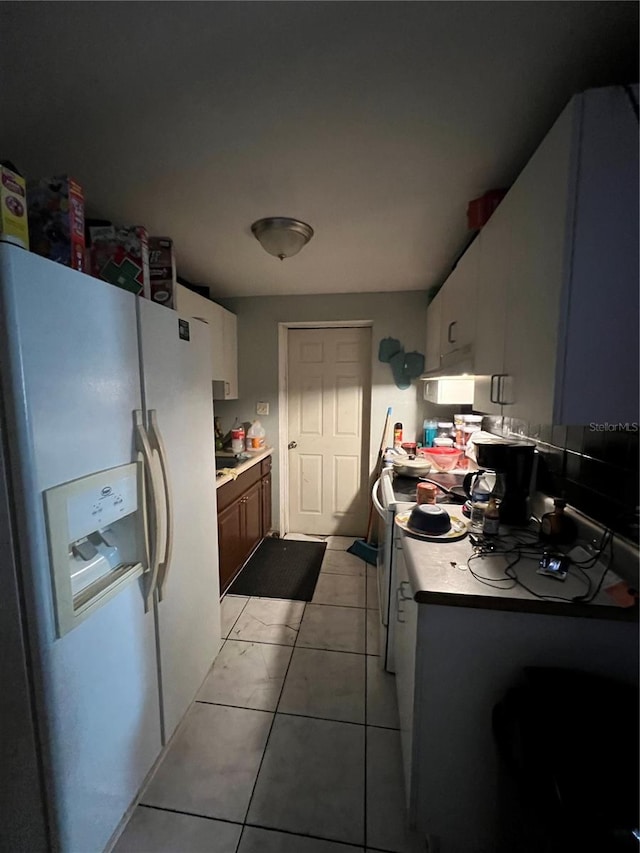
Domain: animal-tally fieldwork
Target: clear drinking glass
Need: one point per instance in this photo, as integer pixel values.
(478, 509)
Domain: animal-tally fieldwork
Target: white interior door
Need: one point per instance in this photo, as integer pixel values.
(329, 394)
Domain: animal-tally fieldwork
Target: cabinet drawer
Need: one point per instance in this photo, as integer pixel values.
(231, 491)
(265, 466)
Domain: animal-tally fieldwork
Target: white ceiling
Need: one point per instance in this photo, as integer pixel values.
(373, 122)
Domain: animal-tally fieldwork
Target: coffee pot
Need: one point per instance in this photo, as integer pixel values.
(483, 484)
(512, 464)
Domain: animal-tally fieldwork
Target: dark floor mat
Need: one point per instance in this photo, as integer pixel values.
(281, 568)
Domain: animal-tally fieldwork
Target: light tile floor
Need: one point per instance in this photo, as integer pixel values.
(293, 743)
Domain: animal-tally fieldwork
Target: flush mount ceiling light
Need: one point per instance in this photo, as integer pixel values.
(281, 236)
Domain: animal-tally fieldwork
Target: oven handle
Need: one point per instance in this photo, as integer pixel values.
(374, 497)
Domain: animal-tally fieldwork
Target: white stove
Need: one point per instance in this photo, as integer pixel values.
(386, 504)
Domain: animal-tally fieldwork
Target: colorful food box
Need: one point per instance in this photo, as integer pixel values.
(56, 220)
(14, 226)
(162, 270)
(120, 255)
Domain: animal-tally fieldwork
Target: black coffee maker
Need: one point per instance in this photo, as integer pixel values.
(514, 461)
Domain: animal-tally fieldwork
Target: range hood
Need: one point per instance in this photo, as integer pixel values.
(449, 390)
(457, 363)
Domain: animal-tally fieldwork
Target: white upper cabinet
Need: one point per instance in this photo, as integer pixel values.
(451, 318)
(222, 325)
(491, 313)
(432, 346)
(557, 333)
(229, 390)
(458, 323)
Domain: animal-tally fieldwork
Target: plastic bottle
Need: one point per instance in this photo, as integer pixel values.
(430, 431)
(480, 494)
(556, 527)
(491, 523)
(237, 437)
(397, 434)
(255, 436)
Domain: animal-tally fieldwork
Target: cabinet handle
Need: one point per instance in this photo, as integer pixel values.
(399, 611)
(492, 396)
(402, 595)
(451, 339)
(501, 400)
(227, 389)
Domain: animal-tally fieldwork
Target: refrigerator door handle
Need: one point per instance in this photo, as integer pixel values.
(158, 444)
(144, 449)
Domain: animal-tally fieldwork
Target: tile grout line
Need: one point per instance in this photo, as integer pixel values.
(293, 714)
(346, 844)
(189, 814)
(266, 744)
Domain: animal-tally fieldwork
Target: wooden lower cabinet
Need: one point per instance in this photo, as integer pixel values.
(244, 518)
(266, 504)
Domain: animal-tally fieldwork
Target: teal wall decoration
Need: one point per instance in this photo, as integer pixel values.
(405, 366)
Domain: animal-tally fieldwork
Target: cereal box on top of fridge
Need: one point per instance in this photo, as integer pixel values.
(56, 220)
(121, 257)
(13, 206)
(162, 270)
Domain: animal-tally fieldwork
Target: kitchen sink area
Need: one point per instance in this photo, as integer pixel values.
(227, 462)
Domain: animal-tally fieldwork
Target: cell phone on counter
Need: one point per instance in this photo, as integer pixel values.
(553, 566)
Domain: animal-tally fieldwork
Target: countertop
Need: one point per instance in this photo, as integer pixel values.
(256, 457)
(440, 573)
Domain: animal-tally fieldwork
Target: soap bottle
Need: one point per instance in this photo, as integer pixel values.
(556, 527)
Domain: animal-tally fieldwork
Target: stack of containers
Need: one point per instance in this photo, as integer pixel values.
(465, 426)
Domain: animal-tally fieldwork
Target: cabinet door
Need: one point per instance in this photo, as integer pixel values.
(434, 322)
(491, 310)
(191, 304)
(405, 636)
(252, 509)
(230, 542)
(598, 360)
(266, 504)
(230, 356)
(216, 322)
(538, 211)
(458, 324)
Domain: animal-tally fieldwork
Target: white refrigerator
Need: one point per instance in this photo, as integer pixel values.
(106, 403)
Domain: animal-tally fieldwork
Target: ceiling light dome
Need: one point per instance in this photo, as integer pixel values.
(281, 236)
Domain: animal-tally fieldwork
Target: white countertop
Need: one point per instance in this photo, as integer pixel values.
(440, 573)
(256, 457)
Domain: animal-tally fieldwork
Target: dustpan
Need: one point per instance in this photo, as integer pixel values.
(366, 552)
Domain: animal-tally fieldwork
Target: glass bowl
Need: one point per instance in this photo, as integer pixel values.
(442, 458)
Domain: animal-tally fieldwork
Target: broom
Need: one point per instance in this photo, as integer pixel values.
(364, 548)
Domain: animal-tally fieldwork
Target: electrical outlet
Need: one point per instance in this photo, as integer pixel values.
(262, 408)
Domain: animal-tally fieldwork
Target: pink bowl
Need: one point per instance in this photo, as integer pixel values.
(442, 458)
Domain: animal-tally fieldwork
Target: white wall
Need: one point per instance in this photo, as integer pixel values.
(398, 315)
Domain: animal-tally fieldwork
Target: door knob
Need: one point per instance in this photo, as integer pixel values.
(292, 444)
